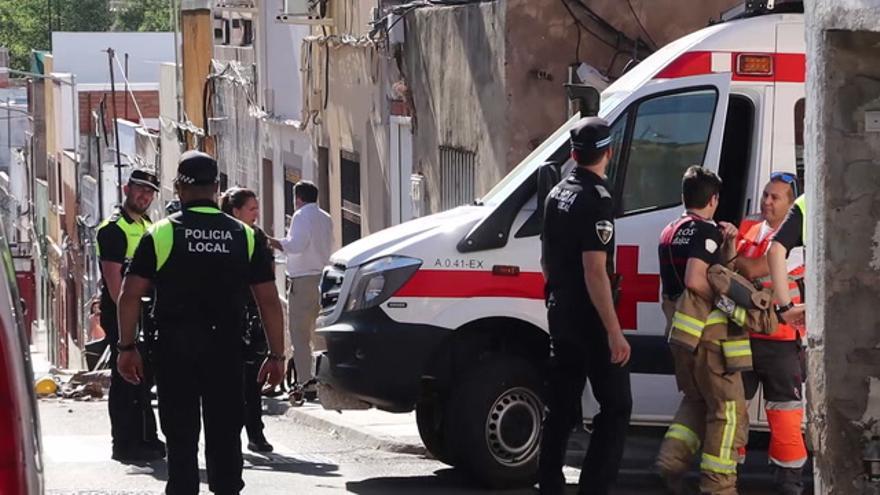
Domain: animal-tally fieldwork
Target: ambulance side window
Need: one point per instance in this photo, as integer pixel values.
(618, 132)
(670, 133)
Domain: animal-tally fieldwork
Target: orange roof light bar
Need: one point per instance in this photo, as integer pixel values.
(750, 64)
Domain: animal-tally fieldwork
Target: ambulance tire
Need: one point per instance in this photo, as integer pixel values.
(430, 420)
(494, 422)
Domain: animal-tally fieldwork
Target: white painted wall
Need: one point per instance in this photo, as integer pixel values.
(281, 74)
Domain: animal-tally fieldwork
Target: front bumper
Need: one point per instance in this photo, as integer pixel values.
(376, 359)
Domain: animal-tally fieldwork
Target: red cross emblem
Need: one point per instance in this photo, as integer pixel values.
(635, 287)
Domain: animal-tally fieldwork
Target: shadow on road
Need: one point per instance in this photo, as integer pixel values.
(158, 470)
(285, 464)
(267, 462)
(443, 481)
(274, 406)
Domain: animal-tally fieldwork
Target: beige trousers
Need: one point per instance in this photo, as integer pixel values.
(303, 303)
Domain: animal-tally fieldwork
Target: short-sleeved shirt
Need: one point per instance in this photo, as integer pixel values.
(688, 237)
(791, 232)
(117, 246)
(204, 282)
(578, 217)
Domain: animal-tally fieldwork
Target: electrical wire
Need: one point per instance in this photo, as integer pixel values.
(134, 100)
(584, 26)
(641, 26)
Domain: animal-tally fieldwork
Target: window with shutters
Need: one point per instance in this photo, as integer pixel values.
(457, 177)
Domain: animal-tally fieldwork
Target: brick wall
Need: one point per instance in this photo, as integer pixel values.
(125, 107)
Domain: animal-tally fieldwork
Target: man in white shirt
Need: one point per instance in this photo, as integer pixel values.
(308, 245)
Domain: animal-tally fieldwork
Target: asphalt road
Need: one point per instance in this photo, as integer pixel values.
(306, 461)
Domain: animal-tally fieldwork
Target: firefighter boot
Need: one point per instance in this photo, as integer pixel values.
(788, 481)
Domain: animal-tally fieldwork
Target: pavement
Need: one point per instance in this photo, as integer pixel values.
(391, 432)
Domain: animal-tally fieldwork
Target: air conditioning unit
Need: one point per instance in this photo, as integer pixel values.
(304, 12)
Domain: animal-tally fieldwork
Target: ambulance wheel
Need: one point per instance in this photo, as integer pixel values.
(494, 422)
(430, 420)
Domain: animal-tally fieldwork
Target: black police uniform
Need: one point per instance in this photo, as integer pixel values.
(202, 262)
(132, 422)
(578, 218)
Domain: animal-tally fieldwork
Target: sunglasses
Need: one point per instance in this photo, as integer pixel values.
(789, 178)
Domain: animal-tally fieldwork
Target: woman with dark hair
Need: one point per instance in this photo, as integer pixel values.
(242, 204)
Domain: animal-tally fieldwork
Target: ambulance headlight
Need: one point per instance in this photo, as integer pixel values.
(378, 280)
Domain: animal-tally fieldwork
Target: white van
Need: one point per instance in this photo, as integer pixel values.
(445, 314)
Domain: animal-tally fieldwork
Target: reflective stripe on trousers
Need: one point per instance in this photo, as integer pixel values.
(724, 463)
(688, 436)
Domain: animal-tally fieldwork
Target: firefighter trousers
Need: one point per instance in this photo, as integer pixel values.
(779, 368)
(711, 416)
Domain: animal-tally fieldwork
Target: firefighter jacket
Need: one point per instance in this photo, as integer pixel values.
(696, 321)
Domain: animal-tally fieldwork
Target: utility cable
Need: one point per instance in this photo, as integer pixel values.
(134, 100)
(641, 26)
(584, 26)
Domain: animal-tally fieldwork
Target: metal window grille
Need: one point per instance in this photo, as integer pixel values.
(457, 177)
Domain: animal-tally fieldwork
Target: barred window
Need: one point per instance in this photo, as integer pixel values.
(457, 177)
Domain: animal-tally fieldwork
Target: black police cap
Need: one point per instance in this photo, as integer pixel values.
(196, 169)
(144, 177)
(590, 135)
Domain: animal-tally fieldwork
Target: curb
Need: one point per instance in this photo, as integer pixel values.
(348, 432)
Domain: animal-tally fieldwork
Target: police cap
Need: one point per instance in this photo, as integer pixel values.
(196, 169)
(144, 177)
(590, 137)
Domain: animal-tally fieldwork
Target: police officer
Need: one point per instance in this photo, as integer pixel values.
(132, 423)
(202, 264)
(587, 341)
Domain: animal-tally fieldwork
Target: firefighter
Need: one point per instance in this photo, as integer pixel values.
(132, 423)
(708, 354)
(202, 264)
(777, 355)
(587, 340)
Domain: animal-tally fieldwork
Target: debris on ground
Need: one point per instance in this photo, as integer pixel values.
(82, 385)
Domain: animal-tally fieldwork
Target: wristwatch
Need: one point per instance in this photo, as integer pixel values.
(126, 348)
(783, 309)
(276, 357)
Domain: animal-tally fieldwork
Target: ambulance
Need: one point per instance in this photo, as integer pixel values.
(445, 314)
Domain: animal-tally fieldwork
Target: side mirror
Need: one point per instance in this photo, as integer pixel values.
(584, 99)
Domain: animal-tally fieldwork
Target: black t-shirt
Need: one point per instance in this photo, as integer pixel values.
(113, 247)
(578, 217)
(688, 237)
(205, 281)
(791, 232)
